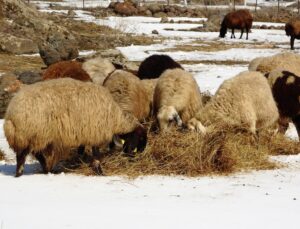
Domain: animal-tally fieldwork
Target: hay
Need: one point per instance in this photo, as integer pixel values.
(1, 155)
(175, 152)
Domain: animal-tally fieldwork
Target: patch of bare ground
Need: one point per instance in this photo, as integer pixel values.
(216, 62)
(10, 63)
(217, 46)
(98, 37)
(222, 151)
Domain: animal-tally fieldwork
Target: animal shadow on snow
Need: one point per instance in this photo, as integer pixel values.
(29, 169)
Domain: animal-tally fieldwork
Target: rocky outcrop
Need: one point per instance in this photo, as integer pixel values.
(57, 48)
(15, 45)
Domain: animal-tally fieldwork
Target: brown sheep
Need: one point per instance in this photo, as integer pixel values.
(64, 69)
(292, 29)
(240, 19)
(285, 87)
(48, 117)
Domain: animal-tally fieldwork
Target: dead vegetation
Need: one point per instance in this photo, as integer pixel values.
(10, 63)
(1, 155)
(223, 151)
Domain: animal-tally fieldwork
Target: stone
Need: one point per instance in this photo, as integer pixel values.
(125, 8)
(16, 45)
(155, 32)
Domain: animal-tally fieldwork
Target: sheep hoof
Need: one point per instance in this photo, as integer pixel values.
(97, 167)
(18, 174)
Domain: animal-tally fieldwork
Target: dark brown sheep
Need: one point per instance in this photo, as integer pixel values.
(285, 87)
(66, 69)
(240, 19)
(153, 66)
(292, 29)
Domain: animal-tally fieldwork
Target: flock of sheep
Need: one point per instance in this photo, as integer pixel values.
(94, 104)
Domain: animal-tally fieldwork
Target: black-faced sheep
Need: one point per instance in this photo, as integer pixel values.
(153, 66)
(176, 97)
(292, 29)
(240, 19)
(62, 69)
(244, 101)
(130, 93)
(287, 61)
(98, 69)
(285, 87)
(47, 117)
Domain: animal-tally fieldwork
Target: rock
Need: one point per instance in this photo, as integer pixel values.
(164, 20)
(155, 32)
(113, 53)
(154, 8)
(29, 77)
(263, 27)
(125, 8)
(6, 81)
(71, 13)
(160, 14)
(58, 48)
(142, 9)
(148, 13)
(15, 45)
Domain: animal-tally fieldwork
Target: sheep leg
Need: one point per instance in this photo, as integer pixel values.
(292, 42)
(21, 157)
(247, 31)
(242, 32)
(232, 33)
(41, 159)
(97, 156)
(80, 150)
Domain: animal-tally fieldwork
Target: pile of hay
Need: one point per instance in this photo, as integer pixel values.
(190, 154)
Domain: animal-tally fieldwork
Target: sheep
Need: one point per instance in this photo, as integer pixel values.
(292, 28)
(129, 92)
(153, 66)
(72, 69)
(254, 63)
(98, 69)
(286, 60)
(240, 19)
(47, 117)
(244, 101)
(176, 97)
(285, 87)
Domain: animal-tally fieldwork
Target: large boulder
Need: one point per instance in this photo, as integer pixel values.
(125, 8)
(57, 48)
(15, 45)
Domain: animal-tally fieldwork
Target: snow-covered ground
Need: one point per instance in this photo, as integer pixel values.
(251, 200)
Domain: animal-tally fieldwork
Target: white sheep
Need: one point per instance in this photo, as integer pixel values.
(244, 101)
(176, 97)
(47, 117)
(98, 69)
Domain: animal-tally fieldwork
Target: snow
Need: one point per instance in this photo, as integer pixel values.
(245, 200)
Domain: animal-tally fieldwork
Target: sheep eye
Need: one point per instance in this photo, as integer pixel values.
(122, 141)
(135, 150)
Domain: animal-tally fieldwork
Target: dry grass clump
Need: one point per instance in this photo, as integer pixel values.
(1, 155)
(175, 152)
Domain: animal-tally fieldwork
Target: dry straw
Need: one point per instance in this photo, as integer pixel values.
(175, 152)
